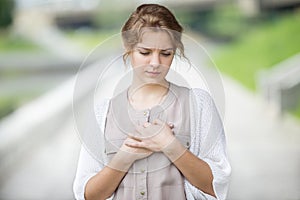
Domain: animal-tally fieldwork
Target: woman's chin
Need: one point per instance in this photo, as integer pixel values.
(153, 80)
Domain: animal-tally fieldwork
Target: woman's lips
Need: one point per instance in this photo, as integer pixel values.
(153, 73)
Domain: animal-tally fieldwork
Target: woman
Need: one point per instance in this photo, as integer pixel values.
(162, 141)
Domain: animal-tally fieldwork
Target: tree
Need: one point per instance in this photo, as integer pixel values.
(6, 12)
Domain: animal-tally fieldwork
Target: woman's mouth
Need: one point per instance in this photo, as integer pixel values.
(152, 73)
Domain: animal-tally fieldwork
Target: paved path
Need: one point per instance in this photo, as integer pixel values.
(47, 170)
(264, 149)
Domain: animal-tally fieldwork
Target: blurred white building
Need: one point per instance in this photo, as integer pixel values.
(254, 7)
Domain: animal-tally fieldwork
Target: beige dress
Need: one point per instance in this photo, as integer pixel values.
(154, 177)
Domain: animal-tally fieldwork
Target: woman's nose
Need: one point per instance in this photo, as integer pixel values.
(155, 60)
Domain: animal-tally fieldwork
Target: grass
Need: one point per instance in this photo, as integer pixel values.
(7, 106)
(10, 103)
(89, 39)
(296, 111)
(12, 43)
(260, 48)
(8, 44)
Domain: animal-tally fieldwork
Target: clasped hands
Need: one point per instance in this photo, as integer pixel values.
(150, 137)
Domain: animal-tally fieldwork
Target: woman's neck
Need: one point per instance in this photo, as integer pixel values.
(145, 96)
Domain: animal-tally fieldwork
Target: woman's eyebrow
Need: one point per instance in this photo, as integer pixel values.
(168, 49)
(146, 48)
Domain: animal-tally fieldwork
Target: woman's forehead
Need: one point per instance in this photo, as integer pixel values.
(156, 40)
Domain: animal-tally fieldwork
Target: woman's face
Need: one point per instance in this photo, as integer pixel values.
(152, 57)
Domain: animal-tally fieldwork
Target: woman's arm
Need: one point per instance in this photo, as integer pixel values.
(195, 170)
(104, 183)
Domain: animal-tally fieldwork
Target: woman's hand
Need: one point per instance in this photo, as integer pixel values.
(134, 153)
(127, 155)
(153, 136)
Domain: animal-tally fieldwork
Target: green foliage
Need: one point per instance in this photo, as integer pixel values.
(6, 13)
(226, 22)
(263, 47)
(7, 106)
(10, 103)
(112, 18)
(89, 39)
(296, 111)
(9, 43)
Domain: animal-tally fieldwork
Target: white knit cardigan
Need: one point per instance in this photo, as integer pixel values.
(207, 142)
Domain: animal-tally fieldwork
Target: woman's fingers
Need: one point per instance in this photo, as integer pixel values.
(147, 124)
(135, 143)
(131, 143)
(134, 138)
(160, 122)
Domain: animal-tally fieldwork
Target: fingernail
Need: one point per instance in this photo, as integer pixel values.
(146, 124)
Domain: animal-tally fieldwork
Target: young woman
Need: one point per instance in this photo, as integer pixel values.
(162, 141)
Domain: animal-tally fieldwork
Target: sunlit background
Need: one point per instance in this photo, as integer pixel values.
(255, 44)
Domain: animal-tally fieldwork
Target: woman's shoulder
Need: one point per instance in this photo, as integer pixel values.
(195, 90)
(198, 93)
(201, 96)
(178, 88)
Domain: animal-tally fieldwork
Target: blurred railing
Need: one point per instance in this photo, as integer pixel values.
(30, 124)
(281, 84)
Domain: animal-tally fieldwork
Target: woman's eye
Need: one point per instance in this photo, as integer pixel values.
(166, 54)
(144, 53)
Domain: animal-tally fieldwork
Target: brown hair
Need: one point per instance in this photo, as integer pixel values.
(151, 16)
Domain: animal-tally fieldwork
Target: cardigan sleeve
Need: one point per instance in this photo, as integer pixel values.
(208, 142)
(89, 164)
(86, 169)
